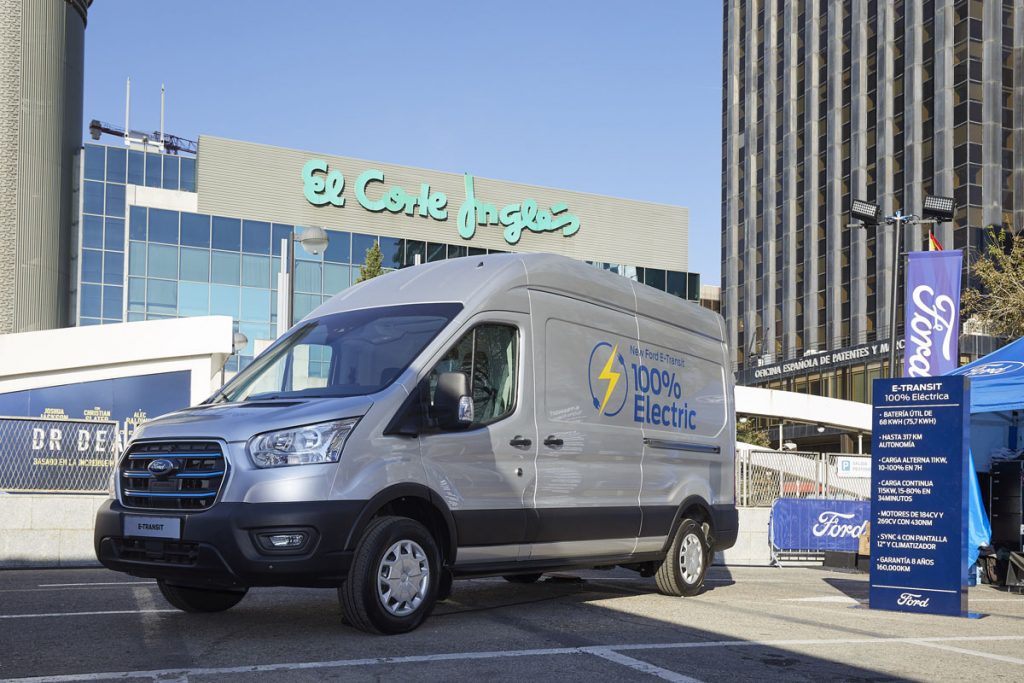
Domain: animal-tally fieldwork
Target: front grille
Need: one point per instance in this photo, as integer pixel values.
(164, 552)
(192, 484)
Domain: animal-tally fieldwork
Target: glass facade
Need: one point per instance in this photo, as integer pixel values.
(148, 263)
(107, 172)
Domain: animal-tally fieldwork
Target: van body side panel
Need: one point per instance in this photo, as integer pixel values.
(679, 401)
(372, 461)
(588, 473)
(485, 475)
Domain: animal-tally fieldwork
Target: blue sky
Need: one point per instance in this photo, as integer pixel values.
(613, 98)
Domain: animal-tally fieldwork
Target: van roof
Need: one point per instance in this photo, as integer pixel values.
(473, 280)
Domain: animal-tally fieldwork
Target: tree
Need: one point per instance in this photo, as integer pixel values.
(998, 303)
(748, 433)
(372, 267)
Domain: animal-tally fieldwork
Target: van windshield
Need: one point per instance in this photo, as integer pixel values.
(352, 353)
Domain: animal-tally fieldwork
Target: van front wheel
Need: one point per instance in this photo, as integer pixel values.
(393, 582)
(683, 570)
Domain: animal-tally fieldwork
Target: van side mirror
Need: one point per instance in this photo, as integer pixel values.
(453, 404)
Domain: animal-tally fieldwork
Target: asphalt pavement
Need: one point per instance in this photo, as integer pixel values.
(751, 624)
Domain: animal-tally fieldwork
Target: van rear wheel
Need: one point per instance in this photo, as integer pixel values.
(189, 599)
(683, 570)
(392, 585)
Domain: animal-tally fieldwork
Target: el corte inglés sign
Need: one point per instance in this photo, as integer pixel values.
(322, 186)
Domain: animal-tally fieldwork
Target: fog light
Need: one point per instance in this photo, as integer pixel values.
(287, 540)
(283, 541)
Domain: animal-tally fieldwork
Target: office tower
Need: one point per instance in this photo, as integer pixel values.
(827, 101)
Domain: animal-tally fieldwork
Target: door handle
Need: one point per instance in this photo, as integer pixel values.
(519, 441)
(553, 441)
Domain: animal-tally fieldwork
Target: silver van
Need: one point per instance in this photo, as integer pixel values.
(503, 415)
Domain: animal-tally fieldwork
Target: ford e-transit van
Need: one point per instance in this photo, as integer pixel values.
(504, 415)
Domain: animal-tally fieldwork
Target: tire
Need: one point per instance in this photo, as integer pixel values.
(683, 570)
(522, 578)
(190, 599)
(392, 585)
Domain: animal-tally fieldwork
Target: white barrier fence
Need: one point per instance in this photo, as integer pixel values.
(762, 476)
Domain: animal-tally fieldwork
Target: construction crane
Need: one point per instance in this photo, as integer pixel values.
(171, 144)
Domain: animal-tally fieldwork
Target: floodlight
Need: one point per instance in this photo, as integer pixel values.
(820, 428)
(865, 212)
(939, 208)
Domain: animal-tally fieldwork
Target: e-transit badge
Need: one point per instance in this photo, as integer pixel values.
(919, 494)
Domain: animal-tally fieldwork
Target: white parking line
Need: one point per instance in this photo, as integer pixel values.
(84, 614)
(641, 666)
(973, 653)
(597, 650)
(97, 583)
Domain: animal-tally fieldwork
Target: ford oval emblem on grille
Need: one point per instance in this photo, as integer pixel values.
(162, 467)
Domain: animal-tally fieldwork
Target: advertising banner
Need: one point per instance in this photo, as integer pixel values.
(79, 428)
(47, 456)
(932, 313)
(818, 525)
(918, 495)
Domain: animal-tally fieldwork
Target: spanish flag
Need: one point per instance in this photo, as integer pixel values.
(933, 244)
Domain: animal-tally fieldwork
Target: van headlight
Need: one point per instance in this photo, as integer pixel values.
(307, 445)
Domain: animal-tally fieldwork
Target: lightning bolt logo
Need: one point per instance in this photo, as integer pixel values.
(612, 377)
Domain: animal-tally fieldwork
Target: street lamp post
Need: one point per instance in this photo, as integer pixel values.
(935, 210)
(314, 240)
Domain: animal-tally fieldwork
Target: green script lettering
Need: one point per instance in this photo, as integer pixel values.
(364, 179)
(321, 186)
(397, 200)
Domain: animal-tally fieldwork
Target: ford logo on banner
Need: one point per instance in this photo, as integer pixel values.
(818, 525)
(932, 313)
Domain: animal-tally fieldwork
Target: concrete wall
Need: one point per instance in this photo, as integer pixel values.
(752, 543)
(47, 530)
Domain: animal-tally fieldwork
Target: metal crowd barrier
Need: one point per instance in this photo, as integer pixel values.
(763, 476)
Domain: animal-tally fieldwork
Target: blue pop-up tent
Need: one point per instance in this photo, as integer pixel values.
(997, 380)
(997, 399)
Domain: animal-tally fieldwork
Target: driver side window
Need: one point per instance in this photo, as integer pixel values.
(488, 356)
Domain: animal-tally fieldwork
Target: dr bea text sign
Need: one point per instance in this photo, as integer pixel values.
(322, 186)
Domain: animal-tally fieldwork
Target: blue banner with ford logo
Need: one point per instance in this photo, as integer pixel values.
(817, 525)
(920, 436)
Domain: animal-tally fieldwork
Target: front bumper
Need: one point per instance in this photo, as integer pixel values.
(219, 546)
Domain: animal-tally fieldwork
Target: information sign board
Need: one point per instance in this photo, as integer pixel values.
(919, 494)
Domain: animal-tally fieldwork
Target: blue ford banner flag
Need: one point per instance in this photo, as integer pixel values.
(932, 313)
(817, 525)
